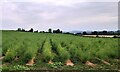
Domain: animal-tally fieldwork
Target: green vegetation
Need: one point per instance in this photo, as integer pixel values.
(18, 48)
(56, 65)
(47, 51)
(63, 54)
(16, 67)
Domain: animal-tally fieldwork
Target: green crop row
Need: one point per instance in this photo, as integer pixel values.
(47, 51)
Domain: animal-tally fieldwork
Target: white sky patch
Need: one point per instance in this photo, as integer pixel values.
(99, 19)
(47, 16)
(0, 17)
(10, 14)
(61, 1)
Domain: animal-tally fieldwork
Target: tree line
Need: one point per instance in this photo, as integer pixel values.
(79, 33)
(100, 33)
(32, 30)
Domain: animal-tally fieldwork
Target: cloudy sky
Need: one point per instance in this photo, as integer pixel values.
(67, 15)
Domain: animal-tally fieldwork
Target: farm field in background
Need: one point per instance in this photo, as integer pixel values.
(44, 51)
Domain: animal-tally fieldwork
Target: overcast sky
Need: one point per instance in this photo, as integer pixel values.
(67, 15)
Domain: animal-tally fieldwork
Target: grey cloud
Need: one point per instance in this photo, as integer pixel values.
(75, 17)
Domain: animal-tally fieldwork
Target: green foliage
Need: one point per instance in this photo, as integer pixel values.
(16, 67)
(10, 55)
(73, 50)
(63, 53)
(56, 47)
(56, 65)
(47, 51)
(29, 50)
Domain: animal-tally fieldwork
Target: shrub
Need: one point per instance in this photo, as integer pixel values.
(29, 50)
(62, 53)
(9, 56)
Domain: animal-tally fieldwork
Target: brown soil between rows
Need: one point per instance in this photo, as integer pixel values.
(69, 63)
(88, 63)
(31, 62)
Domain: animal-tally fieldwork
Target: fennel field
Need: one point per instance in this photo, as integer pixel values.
(44, 51)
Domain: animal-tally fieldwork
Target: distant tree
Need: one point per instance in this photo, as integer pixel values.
(118, 32)
(60, 31)
(19, 29)
(110, 32)
(104, 32)
(36, 31)
(57, 31)
(78, 33)
(42, 31)
(54, 31)
(50, 30)
(23, 30)
(95, 33)
(84, 33)
(31, 30)
(68, 33)
(100, 33)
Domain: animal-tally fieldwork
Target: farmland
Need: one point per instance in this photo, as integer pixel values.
(41, 51)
